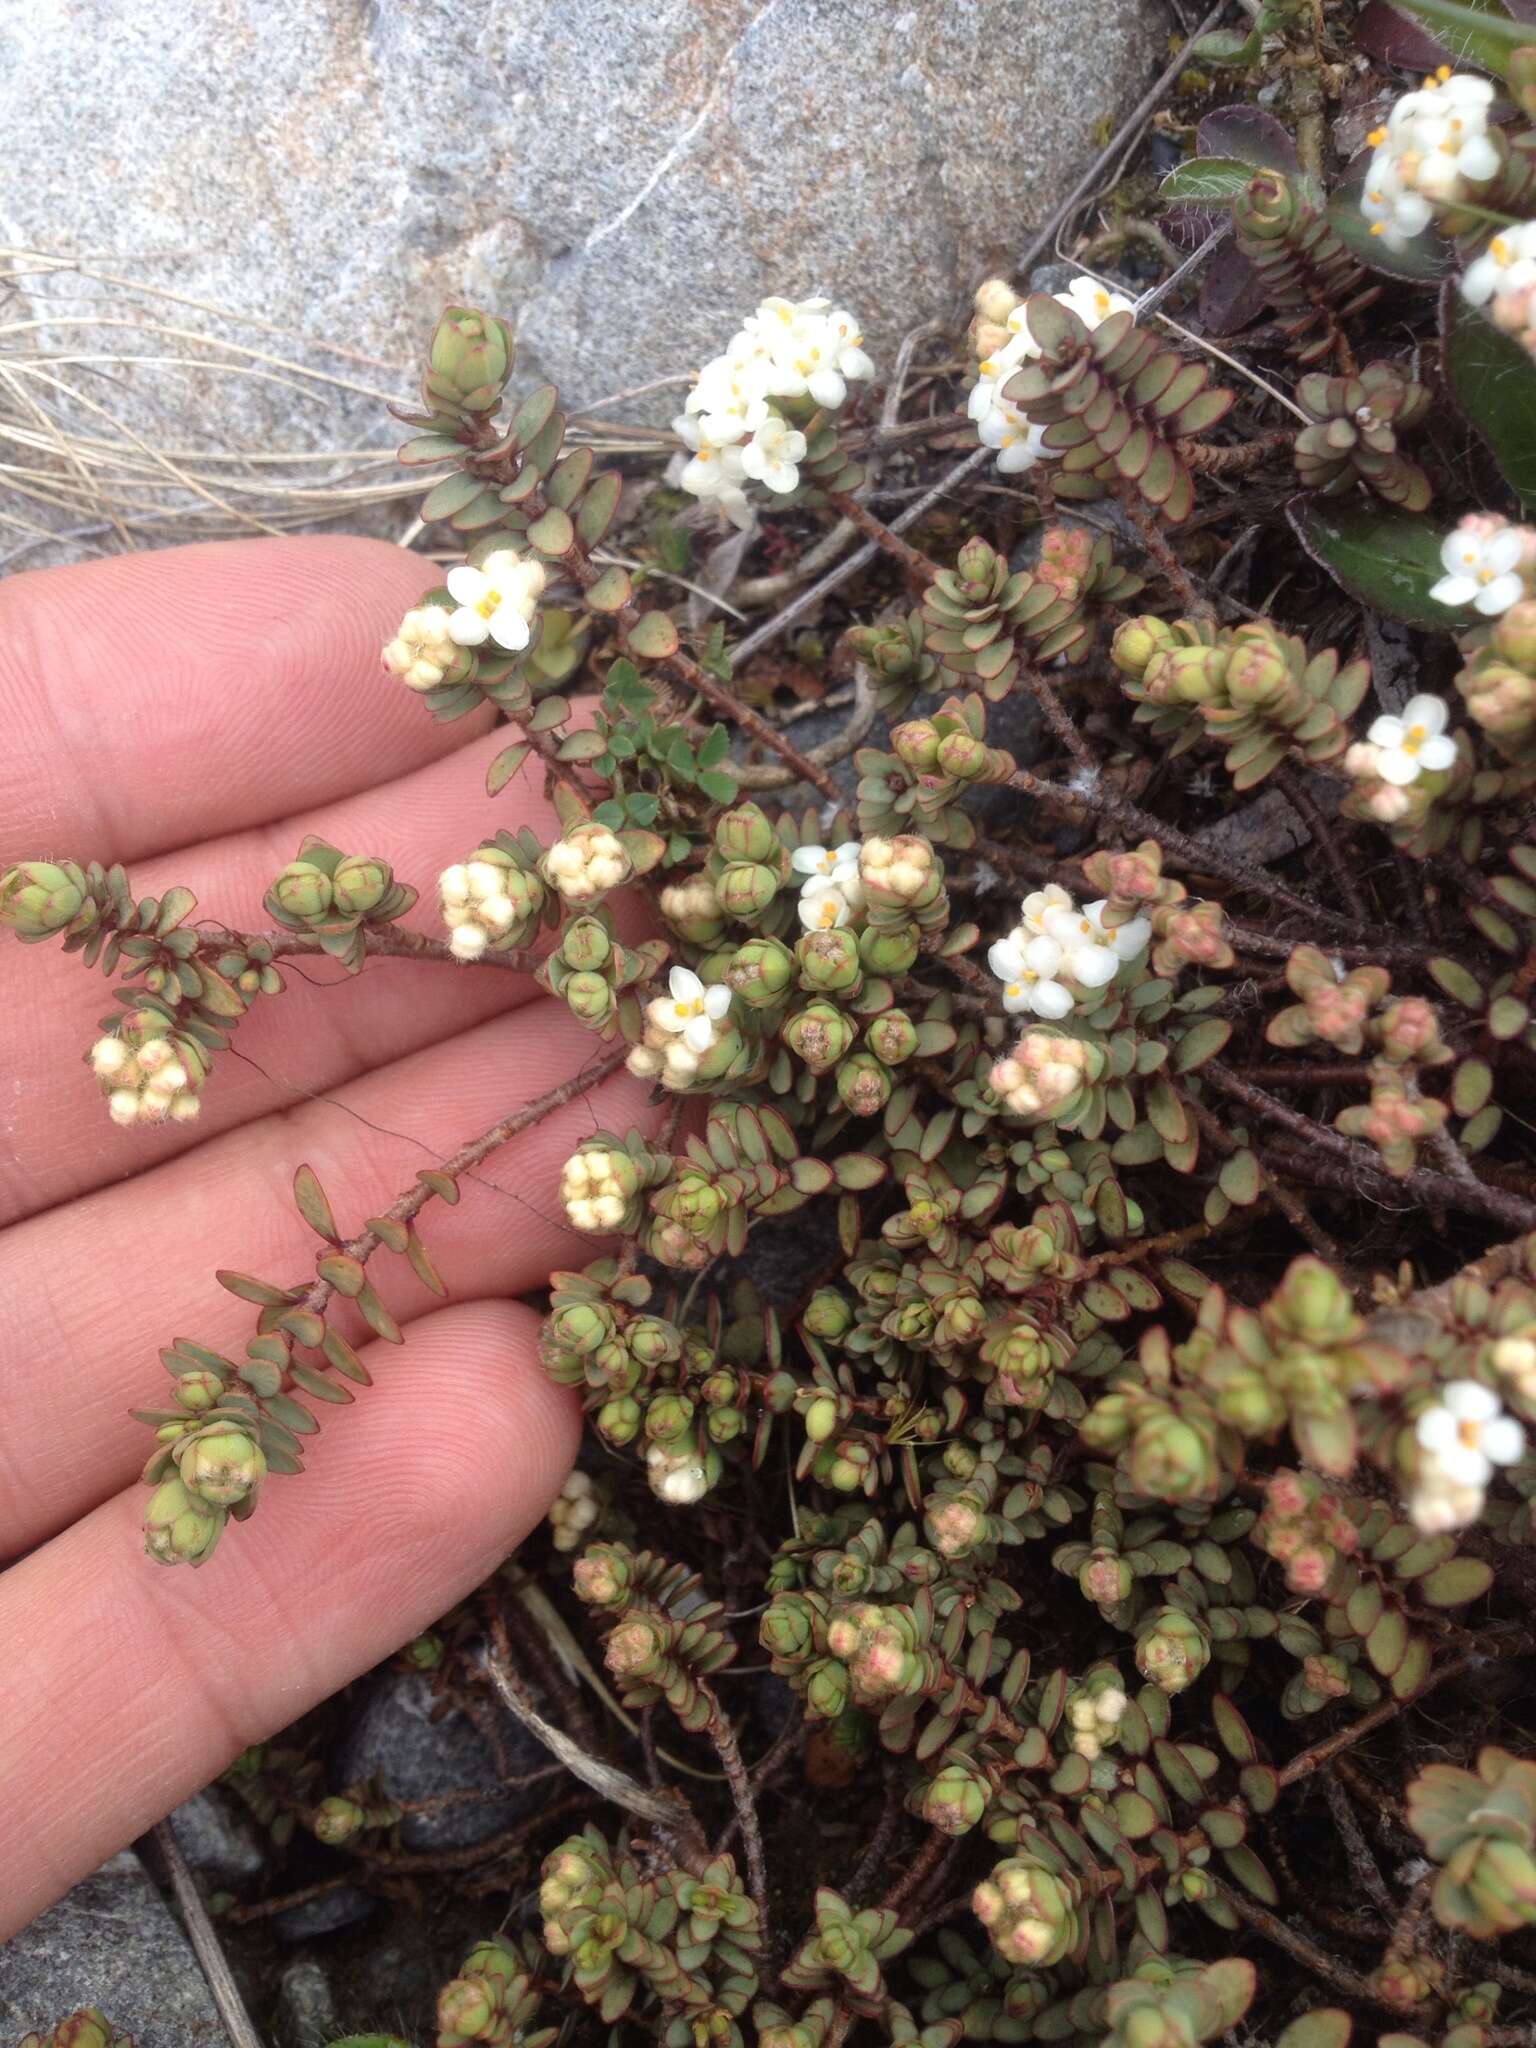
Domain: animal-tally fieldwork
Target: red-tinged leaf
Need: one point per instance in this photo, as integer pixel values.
(505, 766)
(259, 1292)
(317, 1385)
(1231, 294)
(378, 1317)
(1456, 1582)
(1327, 2027)
(421, 1261)
(390, 1231)
(598, 507)
(339, 1353)
(304, 1326)
(1249, 134)
(653, 637)
(1251, 1875)
(313, 1206)
(341, 1271)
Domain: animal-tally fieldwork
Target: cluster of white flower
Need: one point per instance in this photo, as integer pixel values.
(787, 349)
(1461, 1439)
(682, 1028)
(144, 1086)
(476, 906)
(1402, 746)
(1434, 144)
(588, 862)
(423, 650)
(832, 891)
(1488, 562)
(593, 1190)
(1094, 1719)
(573, 1511)
(999, 423)
(1044, 1070)
(1056, 944)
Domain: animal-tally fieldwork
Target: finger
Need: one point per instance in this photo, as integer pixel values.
(76, 1355)
(236, 680)
(61, 1141)
(140, 1682)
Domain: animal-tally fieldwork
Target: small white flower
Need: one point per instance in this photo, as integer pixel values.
(1394, 209)
(1467, 1434)
(1093, 303)
(824, 904)
(692, 1011)
(1417, 741)
(831, 863)
(589, 861)
(1040, 904)
(1482, 569)
(1508, 264)
(1085, 954)
(1027, 968)
(496, 602)
(1127, 941)
(592, 1192)
(772, 453)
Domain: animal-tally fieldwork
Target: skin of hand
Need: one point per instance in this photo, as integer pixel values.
(193, 714)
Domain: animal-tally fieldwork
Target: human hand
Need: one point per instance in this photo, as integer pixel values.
(192, 714)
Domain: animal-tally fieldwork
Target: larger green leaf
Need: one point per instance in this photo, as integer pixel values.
(1387, 559)
(1494, 382)
(1204, 181)
(1479, 34)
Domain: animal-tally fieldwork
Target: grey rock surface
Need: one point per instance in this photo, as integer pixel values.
(111, 1942)
(622, 181)
(216, 1838)
(394, 1738)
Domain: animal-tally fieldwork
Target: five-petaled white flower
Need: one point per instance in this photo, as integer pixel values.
(1482, 569)
(832, 863)
(1413, 742)
(497, 601)
(1434, 143)
(1467, 1433)
(832, 890)
(1085, 955)
(1027, 968)
(824, 905)
(1093, 302)
(691, 1011)
(772, 453)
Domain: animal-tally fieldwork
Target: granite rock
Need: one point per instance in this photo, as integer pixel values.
(624, 182)
(114, 1943)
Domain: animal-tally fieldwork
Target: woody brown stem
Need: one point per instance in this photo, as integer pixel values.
(912, 559)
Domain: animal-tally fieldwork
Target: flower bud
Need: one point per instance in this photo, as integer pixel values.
(820, 1035)
(337, 1820)
(360, 885)
(40, 897)
(976, 565)
(472, 355)
(827, 1690)
(863, 1084)
(199, 1391)
(669, 1416)
(829, 962)
(891, 950)
(744, 834)
(1136, 642)
(916, 744)
(221, 1467)
(1172, 1649)
(746, 890)
(892, 1037)
(899, 871)
(618, 1420)
(788, 1628)
(179, 1528)
(301, 893)
(760, 972)
(582, 1325)
(693, 910)
(1106, 1579)
(962, 757)
(1030, 1913)
(995, 300)
(955, 1801)
(829, 1316)
(589, 998)
(822, 1417)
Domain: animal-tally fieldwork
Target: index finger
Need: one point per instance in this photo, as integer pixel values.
(149, 701)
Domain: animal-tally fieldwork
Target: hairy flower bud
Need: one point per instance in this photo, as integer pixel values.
(820, 1035)
(863, 1084)
(221, 1466)
(1029, 1912)
(744, 834)
(745, 890)
(178, 1527)
(829, 962)
(1172, 1649)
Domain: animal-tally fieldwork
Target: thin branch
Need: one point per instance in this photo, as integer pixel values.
(238, 2023)
(390, 944)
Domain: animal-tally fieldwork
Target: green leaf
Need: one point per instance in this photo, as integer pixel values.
(1239, 46)
(312, 1205)
(610, 593)
(1201, 1042)
(378, 1317)
(505, 766)
(317, 1385)
(176, 905)
(341, 1271)
(1473, 35)
(1241, 1178)
(1325, 2028)
(1455, 1582)
(1251, 1874)
(1204, 181)
(1457, 983)
(261, 1292)
(598, 507)
(450, 496)
(535, 413)
(1386, 559)
(1387, 1642)
(1493, 380)
(1232, 1730)
(552, 533)
(653, 637)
